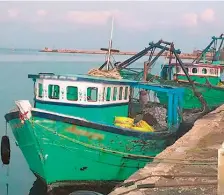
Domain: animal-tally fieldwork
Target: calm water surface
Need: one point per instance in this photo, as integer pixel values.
(15, 66)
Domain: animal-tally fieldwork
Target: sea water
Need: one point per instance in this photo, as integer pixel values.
(15, 65)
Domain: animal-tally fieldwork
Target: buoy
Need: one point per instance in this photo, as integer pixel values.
(85, 192)
(5, 150)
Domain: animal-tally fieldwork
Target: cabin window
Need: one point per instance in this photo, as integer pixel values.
(126, 93)
(72, 93)
(187, 69)
(53, 91)
(92, 94)
(108, 94)
(40, 90)
(115, 94)
(194, 70)
(216, 71)
(103, 97)
(212, 71)
(120, 93)
(178, 69)
(204, 71)
(222, 75)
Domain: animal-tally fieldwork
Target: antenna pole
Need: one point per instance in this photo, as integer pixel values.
(110, 44)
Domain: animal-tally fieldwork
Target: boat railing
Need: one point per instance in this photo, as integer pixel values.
(149, 95)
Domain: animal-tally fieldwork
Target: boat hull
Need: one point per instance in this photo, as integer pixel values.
(62, 150)
(213, 95)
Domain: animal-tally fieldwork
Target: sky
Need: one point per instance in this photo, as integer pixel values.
(87, 24)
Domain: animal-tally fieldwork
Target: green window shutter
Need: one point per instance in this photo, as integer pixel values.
(115, 94)
(108, 94)
(126, 93)
(120, 93)
(40, 90)
(92, 94)
(53, 91)
(72, 93)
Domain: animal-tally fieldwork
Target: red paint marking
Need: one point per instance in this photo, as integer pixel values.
(22, 116)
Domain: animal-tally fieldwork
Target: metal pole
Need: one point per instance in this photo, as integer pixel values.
(146, 69)
(110, 43)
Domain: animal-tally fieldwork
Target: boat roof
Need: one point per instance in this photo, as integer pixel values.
(87, 78)
(81, 77)
(198, 65)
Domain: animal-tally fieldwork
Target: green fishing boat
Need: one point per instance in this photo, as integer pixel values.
(83, 129)
(203, 79)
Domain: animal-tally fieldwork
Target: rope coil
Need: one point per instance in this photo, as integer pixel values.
(114, 74)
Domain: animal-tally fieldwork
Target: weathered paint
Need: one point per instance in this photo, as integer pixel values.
(55, 154)
(77, 141)
(17, 125)
(79, 132)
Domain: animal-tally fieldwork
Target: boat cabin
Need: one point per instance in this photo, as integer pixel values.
(82, 96)
(97, 99)
(201, 73)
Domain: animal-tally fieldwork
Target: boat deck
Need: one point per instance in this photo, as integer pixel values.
(200, 145)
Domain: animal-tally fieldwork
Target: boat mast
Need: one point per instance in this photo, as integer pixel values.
(110, 44)
(216, 53)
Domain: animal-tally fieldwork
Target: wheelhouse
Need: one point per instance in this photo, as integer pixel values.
(196, 70)
(211, 73)
(81, 96)
(80, 92)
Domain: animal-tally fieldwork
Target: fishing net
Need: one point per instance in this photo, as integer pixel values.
(146, 106)
(114, 74)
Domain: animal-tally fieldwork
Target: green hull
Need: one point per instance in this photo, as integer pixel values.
(213, 95)
(61, 149)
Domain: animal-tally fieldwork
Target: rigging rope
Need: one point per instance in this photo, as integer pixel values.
(105, 73)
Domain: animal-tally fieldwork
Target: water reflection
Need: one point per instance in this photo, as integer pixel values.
(39, 188)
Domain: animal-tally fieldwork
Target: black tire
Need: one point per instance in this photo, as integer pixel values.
(5, 150)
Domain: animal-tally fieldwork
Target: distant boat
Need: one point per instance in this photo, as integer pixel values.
(206, 74)
(203, 79)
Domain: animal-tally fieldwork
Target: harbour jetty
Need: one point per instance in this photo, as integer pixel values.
(103, 51)
(189, 166)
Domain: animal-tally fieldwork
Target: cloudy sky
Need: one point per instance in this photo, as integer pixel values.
(87, 24)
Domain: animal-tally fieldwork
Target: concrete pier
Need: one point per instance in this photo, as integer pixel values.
(130, 53)
(194, 171)
(221, 170)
